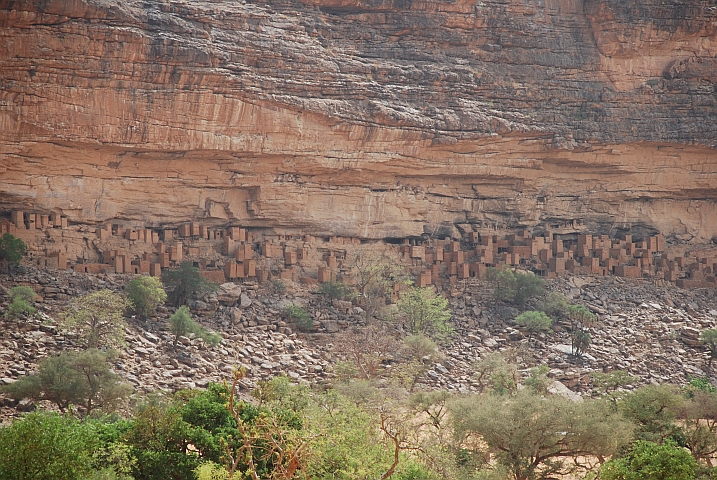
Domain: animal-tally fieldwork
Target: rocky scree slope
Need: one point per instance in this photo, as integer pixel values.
(648, 329)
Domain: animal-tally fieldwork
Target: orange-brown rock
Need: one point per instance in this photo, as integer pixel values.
(368, 118)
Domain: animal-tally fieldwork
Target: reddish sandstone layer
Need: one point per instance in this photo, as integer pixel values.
(363, 118)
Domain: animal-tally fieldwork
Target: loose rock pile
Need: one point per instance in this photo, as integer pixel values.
(650, 330)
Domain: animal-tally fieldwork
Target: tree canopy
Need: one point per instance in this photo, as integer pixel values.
(98, 318)
(426, 313)
(532, 436)
(184, 283)
(12, 249)
(146, 294)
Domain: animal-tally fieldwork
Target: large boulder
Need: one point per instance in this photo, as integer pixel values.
(228, 293)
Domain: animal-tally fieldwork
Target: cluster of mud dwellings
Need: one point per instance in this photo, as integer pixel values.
(551, 254)
(237, 253)
(25, 226)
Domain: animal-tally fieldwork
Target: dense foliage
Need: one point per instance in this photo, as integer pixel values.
(21, 302)
(426, 313)
(358, 431)
(146, 294)
(184, 283)
(12, 250)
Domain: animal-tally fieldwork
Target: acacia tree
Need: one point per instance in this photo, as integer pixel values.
(82, 378)
(375, 273)
(699, 415)
(532, 436)
(98, 318)
(496, 372)
(653, 408)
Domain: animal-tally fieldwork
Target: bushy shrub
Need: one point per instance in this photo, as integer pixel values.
(181, 324)
(300, 317)
(534, 321)
(337, 291)
(427, 313)
(555, 305)
(11, 249)
(185, 282)
(146, 294)
(514, 287)
(648, 461)
(21, 300)
(278, 286)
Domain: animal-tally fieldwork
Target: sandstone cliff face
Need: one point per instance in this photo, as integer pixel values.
(369, 118)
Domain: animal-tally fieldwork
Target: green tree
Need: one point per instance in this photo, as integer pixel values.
(47, 446)
(98, 318)
(534, 322)
(211, 471)
(654, 409)
(608, 384)
(83, 379)
(184, 283)
(103, 389)
(698, 416)
(12, 250)
(352, 443)
(709, 338)
(527, 286)
(56, 381)
(538, 379)
(580, 320)
(514, 287)
(427, 313)
(532, 436)
(21, 302)
(182, 324)
(146, 294)
(159, 439)
(652, 461)
(555, 305)
(504, 283)
(495, 372)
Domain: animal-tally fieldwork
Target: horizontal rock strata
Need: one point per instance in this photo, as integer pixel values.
(362, 118)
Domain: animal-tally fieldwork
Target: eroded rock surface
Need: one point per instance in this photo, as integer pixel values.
(362, 118)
